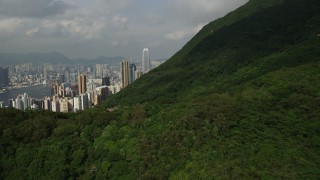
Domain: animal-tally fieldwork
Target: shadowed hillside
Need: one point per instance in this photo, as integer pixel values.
(280, 36)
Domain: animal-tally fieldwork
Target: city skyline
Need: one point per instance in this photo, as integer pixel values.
(89, 29)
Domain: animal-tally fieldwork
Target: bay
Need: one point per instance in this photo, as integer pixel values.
(37, 92)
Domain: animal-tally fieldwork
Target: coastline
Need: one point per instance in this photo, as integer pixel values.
(35, 91)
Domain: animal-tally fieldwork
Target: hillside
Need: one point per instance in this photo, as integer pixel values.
(241, 100)
(270, 39)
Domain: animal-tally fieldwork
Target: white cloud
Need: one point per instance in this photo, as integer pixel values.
(10, 25)
(201, 11)
(32, 8)
(77, 28)
(119, 22)
(91, 28)
(186, 32)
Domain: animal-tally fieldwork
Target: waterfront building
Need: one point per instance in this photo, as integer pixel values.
(47, 104)
(55, 107)
(12, 103)
(37, 104)
(64, 105)
(19, 104)
(25, 101)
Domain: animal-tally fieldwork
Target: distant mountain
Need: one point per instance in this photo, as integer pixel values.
(16, 58)
(113, 61)
(7, 59)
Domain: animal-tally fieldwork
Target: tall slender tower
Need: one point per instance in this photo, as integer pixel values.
(124, 69)
(132, 71)
(82, 83)
(145, 60)
(45, 74)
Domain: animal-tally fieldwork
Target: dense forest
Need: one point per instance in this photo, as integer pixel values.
(239, 100)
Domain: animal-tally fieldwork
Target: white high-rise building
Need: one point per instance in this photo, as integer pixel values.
(55, 106)
(77, 105)
(145, 60)
(25, 100)
(84, 101)
(45, 75)
(47, 104)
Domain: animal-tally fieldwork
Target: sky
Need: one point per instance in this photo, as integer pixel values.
(94, 28)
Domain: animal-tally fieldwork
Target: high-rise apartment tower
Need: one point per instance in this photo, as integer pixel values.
(124, 69)
(82, 83)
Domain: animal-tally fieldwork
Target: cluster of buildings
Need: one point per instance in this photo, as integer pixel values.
(68, 97)
(72, 91)
(129, 71)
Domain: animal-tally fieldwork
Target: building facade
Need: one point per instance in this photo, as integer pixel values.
(132, 70)
(82, 84)
(145, 60)
(124, 70)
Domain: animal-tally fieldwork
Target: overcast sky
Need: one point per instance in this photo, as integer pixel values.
(93, 28)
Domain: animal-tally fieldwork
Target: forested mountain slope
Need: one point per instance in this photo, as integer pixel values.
(283, 35)
(240, 101)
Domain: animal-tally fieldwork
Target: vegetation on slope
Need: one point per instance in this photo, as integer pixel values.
(279, 36)
(242, 101)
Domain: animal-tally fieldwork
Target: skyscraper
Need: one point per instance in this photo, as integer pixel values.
(99, 70)
(132, 70)
(45, 75)
(25, 100)
(82, 83)
(145, 60)
(124, 69)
